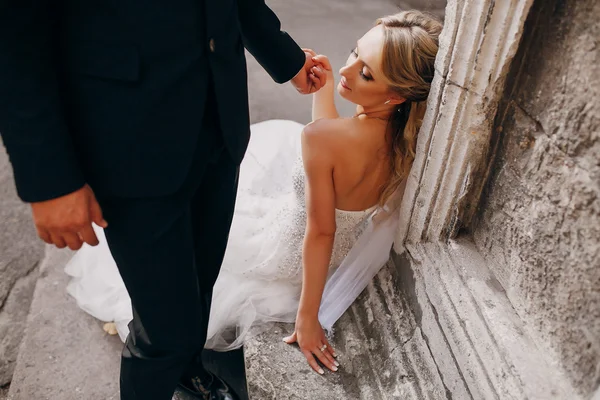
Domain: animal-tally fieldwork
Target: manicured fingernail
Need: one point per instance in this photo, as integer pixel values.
(334, 369)
(337, 364)
(321, 371)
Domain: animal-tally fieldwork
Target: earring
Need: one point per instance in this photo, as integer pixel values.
(387, 102)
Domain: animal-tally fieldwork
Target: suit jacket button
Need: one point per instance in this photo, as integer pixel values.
(211, 45)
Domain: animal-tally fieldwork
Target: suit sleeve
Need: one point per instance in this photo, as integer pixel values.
(32, 122)
(273, 48)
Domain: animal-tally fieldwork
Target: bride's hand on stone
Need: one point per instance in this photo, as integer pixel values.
(313, 343)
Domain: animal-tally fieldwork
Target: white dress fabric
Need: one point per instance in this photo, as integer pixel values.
(261, 275)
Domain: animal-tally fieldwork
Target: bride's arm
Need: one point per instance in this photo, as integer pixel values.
(318, 245)
(320, 224)
(323, 105)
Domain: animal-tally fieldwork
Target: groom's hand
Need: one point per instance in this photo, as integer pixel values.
(67, 220)
(305, 81)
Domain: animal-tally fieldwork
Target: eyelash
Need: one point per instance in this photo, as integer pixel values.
(365, 77)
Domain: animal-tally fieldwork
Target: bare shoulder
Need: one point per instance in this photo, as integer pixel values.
(326, 133)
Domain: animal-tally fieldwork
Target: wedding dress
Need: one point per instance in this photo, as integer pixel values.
(261, 275)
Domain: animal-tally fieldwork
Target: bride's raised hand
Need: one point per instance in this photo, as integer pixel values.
(313, 343)
(322, 69)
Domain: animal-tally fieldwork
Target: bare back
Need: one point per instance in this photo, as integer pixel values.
(361, 162)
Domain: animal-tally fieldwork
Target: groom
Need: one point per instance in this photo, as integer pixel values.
(134, 115)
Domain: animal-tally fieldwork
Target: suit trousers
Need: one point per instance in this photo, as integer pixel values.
(169, 251)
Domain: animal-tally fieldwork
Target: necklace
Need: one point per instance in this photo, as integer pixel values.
(368, 116)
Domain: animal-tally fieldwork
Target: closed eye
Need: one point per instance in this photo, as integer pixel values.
(362, 73)
(365, 76)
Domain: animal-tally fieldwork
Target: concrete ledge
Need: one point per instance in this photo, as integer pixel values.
(20, 254)
(65, 354)
(276, 370)
(382, 352)
(434, 324)
(480, 344)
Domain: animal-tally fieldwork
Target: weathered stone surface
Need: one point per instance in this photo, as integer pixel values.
(65, 354)
(382, 352)
(400, 360)
(4, 392)
(276, 370)
(13, 320)
(478, 341)
(540, 225)
(477, 46)
(20, 251)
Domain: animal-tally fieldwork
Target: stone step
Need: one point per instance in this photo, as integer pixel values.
(481, 346)
(382, 352)
(65, 354)
(433, 324)
(20, 254)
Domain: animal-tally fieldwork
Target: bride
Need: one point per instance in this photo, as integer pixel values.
(317, 205)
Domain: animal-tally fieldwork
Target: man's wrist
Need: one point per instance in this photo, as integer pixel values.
(297, 74)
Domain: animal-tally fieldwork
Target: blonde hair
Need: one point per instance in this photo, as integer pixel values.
(409, 50)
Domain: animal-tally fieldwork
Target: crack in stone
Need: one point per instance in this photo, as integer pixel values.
(450, 82)
(470, 91)
(399, 345)
(540, 128)
(486, 24)
(12, 286)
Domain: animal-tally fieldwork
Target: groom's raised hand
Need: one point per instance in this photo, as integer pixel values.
(67, 220)
(305, 81)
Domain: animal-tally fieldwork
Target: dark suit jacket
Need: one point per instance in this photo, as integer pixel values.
(112, 92)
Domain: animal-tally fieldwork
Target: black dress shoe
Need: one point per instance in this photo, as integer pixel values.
(216, 389)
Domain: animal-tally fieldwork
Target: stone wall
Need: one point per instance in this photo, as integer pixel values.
(20, 252)
(539, 221)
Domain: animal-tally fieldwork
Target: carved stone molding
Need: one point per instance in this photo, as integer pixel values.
(477, 45)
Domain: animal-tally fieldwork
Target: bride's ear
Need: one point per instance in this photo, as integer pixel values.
(395, 100)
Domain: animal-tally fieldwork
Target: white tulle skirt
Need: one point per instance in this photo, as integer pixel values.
(260, 279)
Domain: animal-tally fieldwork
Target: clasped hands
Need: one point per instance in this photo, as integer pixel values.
(315, 73)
